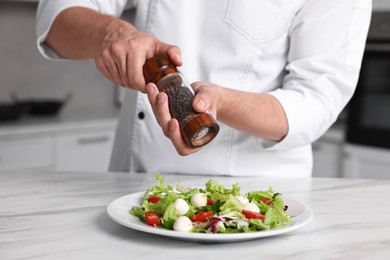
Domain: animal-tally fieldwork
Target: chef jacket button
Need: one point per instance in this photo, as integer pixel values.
(141, 115)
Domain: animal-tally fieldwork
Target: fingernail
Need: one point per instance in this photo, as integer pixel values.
(177, 57)
(150, 90)
(160, 98)
(201, 104)
(171, 125)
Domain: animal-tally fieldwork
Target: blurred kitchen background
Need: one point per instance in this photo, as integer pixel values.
(67, 112)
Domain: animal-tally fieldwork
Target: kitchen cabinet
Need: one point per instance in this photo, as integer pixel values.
(366, 162)
(26, 152)
(326, 159)
(75, 146)
(327, 154)
(84, 151)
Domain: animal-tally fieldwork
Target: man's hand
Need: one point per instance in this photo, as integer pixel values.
(119, 49)
(124, 51)
(257, 114)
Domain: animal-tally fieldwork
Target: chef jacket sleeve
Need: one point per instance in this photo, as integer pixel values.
(49, 9)
(327, 41)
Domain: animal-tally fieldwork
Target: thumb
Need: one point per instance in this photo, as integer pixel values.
(173, 52)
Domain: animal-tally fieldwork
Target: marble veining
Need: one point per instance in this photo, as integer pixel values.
(62, 215)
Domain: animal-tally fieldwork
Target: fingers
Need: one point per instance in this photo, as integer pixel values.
(125, 68)
(124, 51)
(173, 52)
(162, 112)
(135, 73)
(116, 60)
(104, 70)
(177, 140)
(112, 63)
(120, 59)
(159, 102)
(203, 98)
(170, 126)
(136, 62)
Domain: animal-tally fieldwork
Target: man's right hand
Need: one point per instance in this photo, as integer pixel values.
(124, 51)
(119, 49)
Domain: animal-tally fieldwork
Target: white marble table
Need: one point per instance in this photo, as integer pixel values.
(52, 215)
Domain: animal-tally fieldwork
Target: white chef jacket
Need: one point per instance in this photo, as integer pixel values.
(306, 53)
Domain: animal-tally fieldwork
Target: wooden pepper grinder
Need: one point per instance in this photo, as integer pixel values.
(197, 129)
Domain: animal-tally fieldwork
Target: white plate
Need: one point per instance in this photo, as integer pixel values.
(118, 210)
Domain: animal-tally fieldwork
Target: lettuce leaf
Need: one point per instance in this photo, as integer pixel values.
(260, 194)
(278, 202)
(214, 186)
(258, 224)
(137, 212)
(218, 192)
(158, 189)
(170, 213)
(160, 206)
(274, 218)
(232, 206)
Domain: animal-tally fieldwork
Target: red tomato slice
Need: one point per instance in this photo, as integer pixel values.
(209, 202)
(266, 200)
(202, 216)
(154, 199)
(152, 218)
(251, 214)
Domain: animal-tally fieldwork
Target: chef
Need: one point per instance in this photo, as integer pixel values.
(275, 75)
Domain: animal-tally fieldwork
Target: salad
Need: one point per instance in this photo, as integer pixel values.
(213, 209)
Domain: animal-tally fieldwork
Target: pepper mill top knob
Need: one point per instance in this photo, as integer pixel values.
(157, 68)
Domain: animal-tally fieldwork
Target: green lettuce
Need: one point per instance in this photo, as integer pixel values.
(274, 218)
(232, 206)
(137, 212)
(258, 224)
(260, 194)
(218, 192)
(170, 213)
(160, 206)
(214, 186)
(158, 189)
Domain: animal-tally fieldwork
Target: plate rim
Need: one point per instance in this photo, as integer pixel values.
(307, 213)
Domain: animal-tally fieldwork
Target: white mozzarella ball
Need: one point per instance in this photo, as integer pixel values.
(242, 223)
(220, 226)
(243, 199)
(181, 206)
(252, 207)
(183, 223)
(199, 200)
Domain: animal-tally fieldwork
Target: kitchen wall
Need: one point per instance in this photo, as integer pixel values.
(381, 4)
(24, 72)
